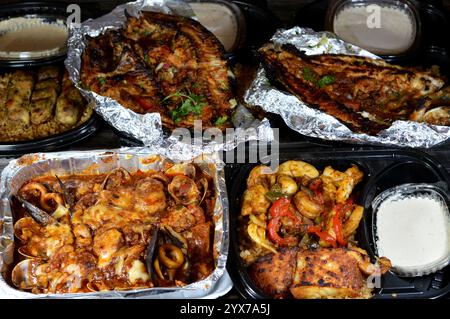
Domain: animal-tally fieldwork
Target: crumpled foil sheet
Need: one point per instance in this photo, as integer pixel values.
(23, 169)
(314, 123)
(147, 128)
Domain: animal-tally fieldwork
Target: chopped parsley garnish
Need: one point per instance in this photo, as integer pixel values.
(310, 76)
(221, 120)
(101, 80)
(326, 80)
(191, 104)
(274, 193)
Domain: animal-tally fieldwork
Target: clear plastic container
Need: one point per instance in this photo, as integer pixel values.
(437, 193)
(388, 28)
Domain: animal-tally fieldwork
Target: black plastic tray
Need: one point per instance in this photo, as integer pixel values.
(383, 169)
(52, 142)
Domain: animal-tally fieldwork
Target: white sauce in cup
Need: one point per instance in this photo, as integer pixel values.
(412, 231)
(393, 33)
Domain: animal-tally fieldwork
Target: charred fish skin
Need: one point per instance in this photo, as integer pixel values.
(294, 83)
(365, 94)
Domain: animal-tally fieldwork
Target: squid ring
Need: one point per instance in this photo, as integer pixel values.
(48, 198)
(171, 256)
(36, 189)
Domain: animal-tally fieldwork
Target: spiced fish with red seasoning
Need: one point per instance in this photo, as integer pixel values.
(162, 63)
(365, 94)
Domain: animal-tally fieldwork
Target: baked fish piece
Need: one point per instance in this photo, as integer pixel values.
(365, 94)
(18, 97)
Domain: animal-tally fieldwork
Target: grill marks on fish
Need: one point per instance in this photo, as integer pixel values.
(366, 94)
(172, 54)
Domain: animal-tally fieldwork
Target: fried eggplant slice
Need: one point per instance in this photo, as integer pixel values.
(69, 104)
(18, 97)
(4, 81)
(365, 94)
(274, 273)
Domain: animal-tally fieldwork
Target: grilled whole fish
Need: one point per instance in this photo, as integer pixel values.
(162, 63)
(365, 94)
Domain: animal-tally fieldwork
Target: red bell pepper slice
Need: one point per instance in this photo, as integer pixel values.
(148, 106)
(325, 236)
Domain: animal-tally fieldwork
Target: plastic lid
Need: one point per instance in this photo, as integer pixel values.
(32, 37)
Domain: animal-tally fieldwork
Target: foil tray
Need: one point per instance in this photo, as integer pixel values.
(29, 166)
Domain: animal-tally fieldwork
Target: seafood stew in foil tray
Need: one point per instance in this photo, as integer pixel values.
(116, 230)
(162, 63)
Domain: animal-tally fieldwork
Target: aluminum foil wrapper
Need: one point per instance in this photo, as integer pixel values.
(29, 166)
(147, 128)
(314, 123)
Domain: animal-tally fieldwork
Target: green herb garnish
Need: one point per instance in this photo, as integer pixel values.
(274, 193)
(322, 41)
(326, 80)
(308, 74)
(101, 80)
(191, 104)
(221, 120)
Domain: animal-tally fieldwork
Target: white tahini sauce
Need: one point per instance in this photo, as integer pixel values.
(412, 231)
(395, 34)
(218, 19)
(31, 35)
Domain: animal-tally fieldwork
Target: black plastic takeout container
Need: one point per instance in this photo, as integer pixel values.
(382, 169)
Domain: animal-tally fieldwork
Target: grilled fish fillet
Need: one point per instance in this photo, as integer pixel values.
(365, 94)
(273, 273)
(154, 63)
(313, 274)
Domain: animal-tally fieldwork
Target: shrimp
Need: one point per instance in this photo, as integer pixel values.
(298, 169)
(307, 205)
(261, 175)
(352, 222)
(343, 181)
(255, 200)
(288, 186)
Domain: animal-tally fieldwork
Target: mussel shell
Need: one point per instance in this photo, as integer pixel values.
(67, 196)
(204, 183)
(185, 169)
(39, 216)
(19, 225)
(23, 251)
(190, 193)
(116, 178)
(23, 275)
